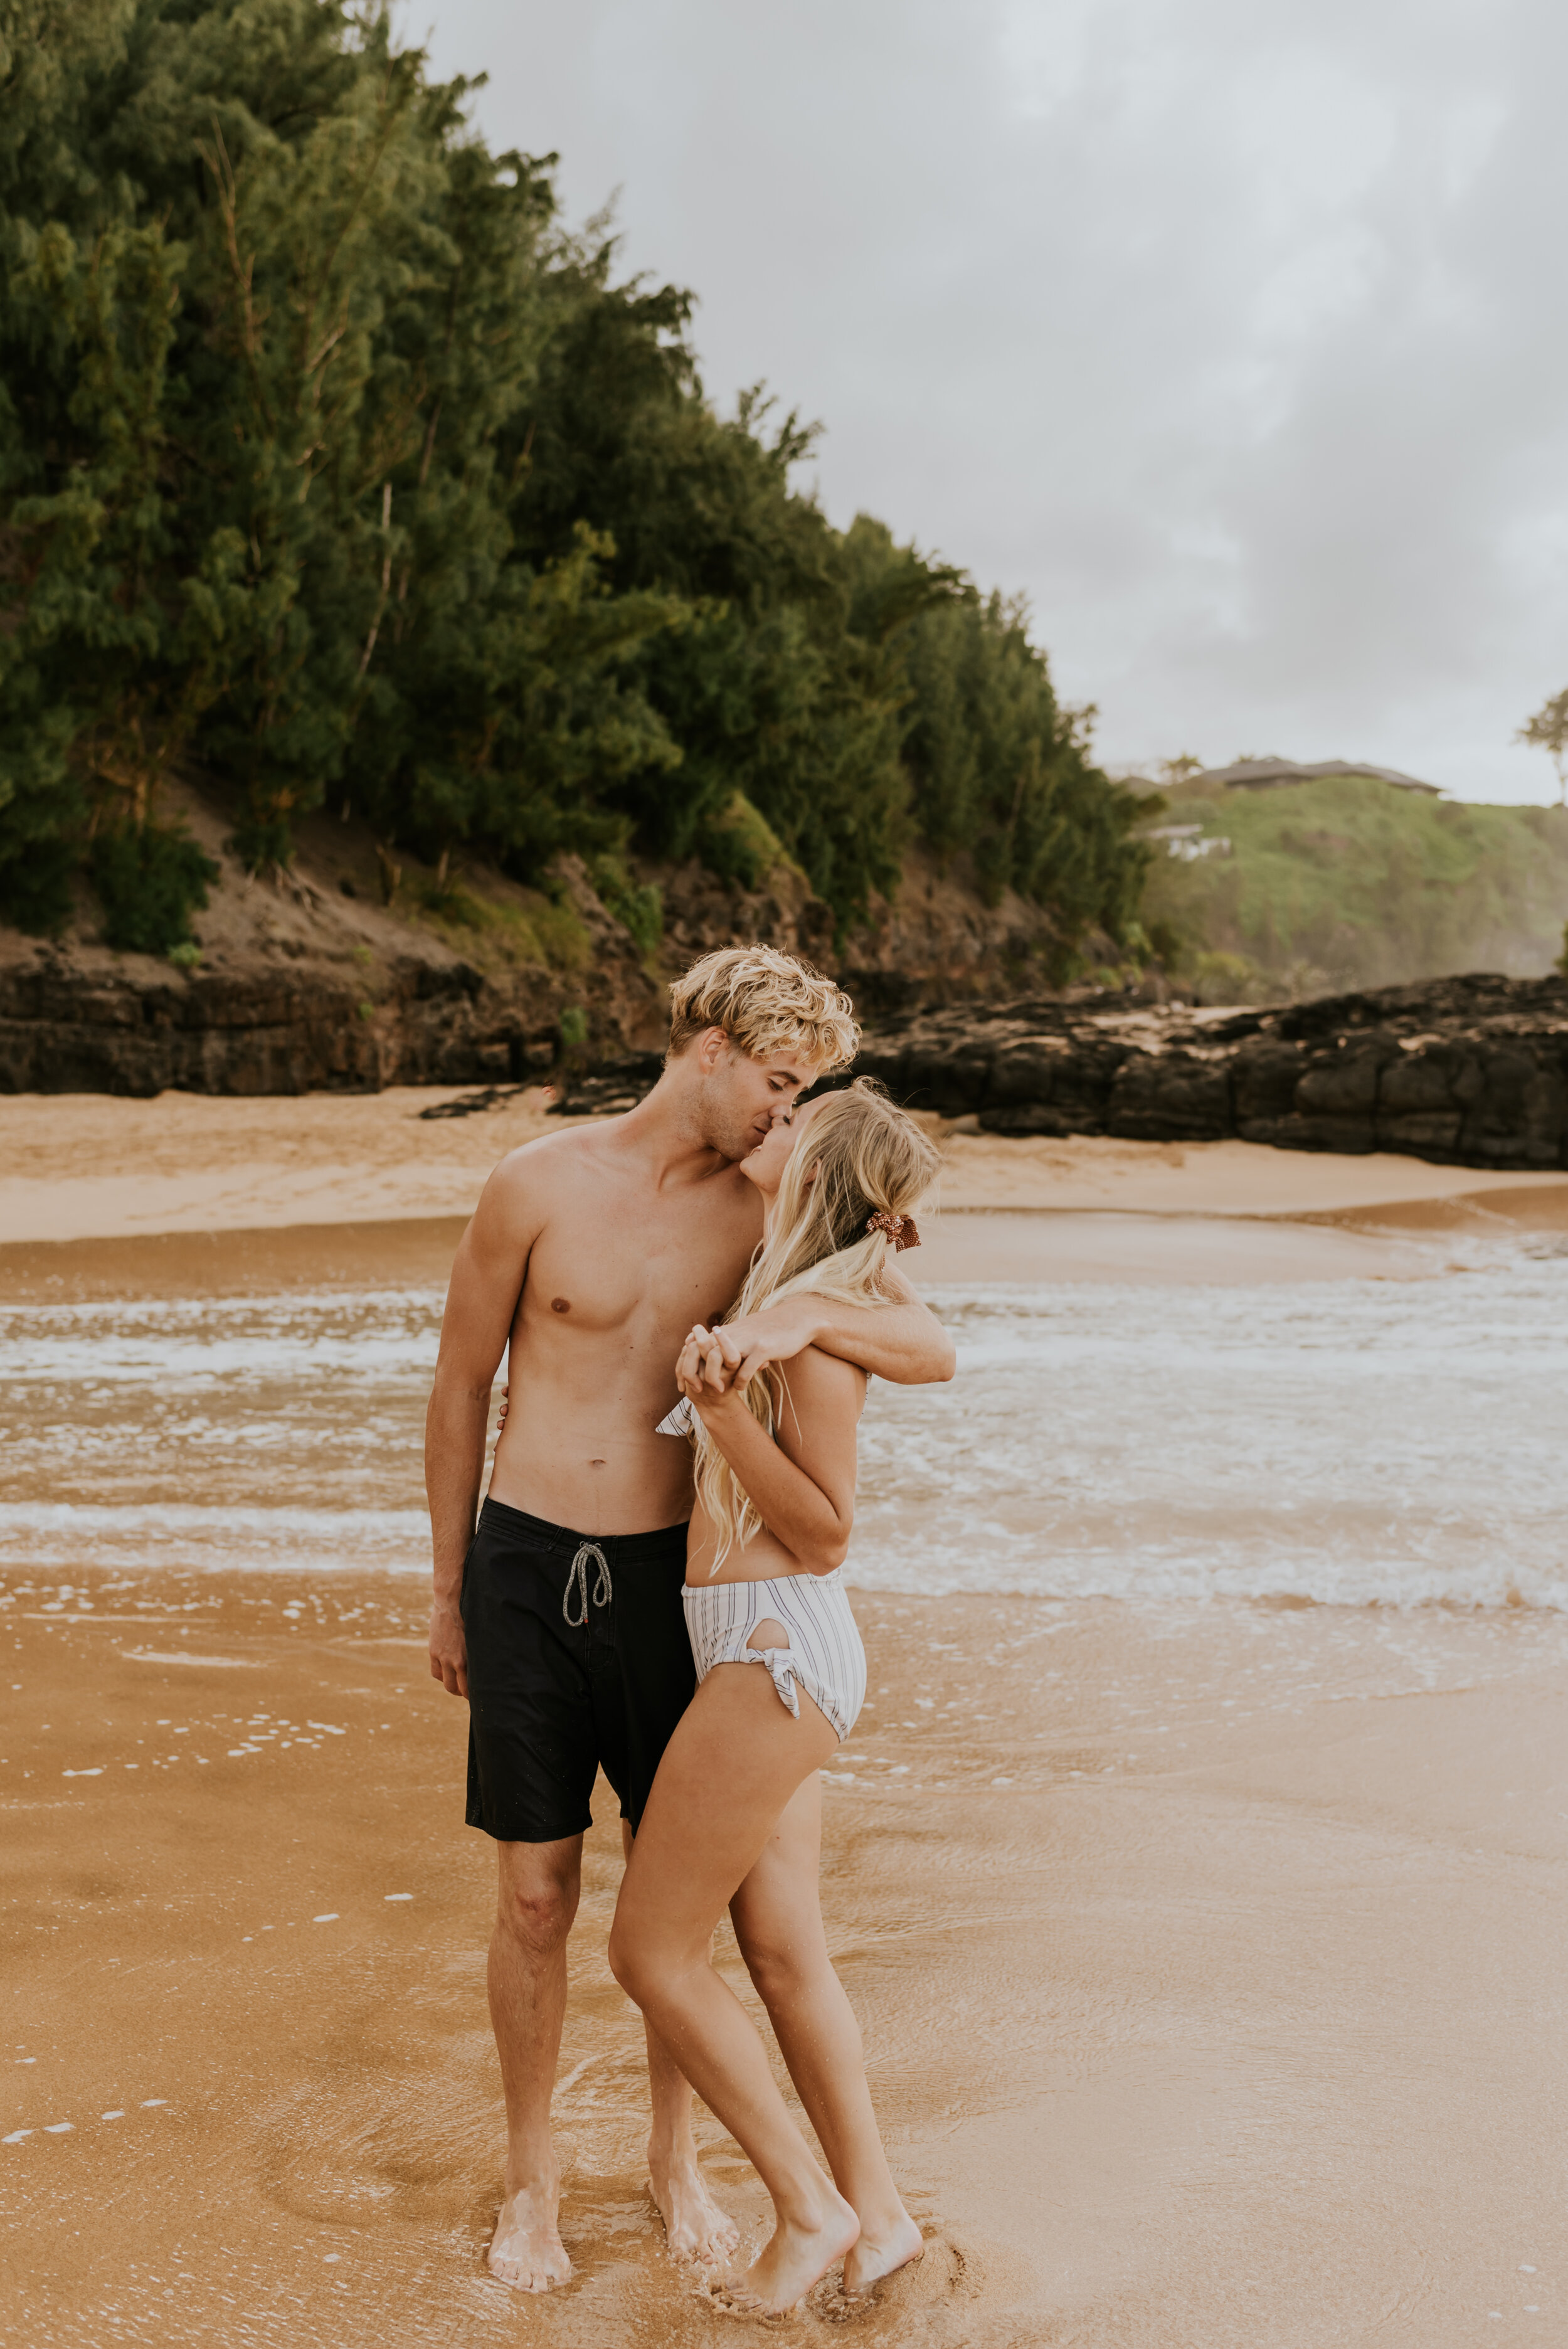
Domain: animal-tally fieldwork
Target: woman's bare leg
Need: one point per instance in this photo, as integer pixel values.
(777, 1920)
(727, 1773)
(695, 2226)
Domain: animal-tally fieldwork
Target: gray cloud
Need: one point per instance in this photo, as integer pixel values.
(1226, 329)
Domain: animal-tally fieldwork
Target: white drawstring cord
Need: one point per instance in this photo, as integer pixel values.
(577, 1578)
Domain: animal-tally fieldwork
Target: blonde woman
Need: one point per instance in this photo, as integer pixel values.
(734, 1819)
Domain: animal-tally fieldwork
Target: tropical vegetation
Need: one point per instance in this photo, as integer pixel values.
(337, 471)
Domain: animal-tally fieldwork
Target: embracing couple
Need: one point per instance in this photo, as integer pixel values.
(694, 1295)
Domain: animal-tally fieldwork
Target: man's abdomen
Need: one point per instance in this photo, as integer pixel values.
(583, 1466)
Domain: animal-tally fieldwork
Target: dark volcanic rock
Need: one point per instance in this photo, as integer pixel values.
(137, 1028)
(1471, 1071)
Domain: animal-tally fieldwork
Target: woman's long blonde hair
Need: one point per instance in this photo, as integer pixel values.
(862, 1157)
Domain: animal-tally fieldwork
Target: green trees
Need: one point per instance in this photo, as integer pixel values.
(332, 469)
(1548, 731)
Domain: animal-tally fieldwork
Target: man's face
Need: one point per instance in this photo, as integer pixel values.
(741, 1097)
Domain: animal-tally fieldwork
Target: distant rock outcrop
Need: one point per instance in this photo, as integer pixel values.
(1268, 774)
(1467, 1071)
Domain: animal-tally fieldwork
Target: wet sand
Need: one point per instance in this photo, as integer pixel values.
(1209, 1961)
(1209, 1955)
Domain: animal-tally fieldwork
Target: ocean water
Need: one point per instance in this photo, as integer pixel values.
(1352, 1442)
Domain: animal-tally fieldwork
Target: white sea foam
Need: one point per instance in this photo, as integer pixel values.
(1352, 1441)
(251, 1537)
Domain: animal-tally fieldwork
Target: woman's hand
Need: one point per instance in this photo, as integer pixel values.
(720, 1413)
(702, 1379)
(701, 1371)
(734, 1354)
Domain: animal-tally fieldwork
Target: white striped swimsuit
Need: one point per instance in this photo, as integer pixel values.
(824, 1656)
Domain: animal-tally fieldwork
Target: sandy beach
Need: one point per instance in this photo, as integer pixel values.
(1208, 1954)
(90, 1166)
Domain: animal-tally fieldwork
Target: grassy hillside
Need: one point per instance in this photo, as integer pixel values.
(1349, 882)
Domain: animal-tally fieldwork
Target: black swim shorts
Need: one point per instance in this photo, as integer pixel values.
(578, 1657)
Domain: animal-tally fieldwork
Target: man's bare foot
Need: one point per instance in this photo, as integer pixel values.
(875, 2256)
(526, 2250)
(695, 2226)
(793, 2261)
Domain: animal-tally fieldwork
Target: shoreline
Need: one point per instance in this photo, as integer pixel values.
(194, 1164)
(221, 1196)
(981, 1246)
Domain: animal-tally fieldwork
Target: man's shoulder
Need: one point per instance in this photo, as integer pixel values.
(531, 1183)
(552, 1160)
(563, 1181)
(549, 1155)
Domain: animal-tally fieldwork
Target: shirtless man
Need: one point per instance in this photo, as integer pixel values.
(595, 1254)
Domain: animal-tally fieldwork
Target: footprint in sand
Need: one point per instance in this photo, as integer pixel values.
(937, 2290)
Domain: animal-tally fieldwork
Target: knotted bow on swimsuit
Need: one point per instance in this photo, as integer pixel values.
(782, 1665)
(577, 1579)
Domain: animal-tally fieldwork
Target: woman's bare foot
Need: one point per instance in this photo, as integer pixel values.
(695, 2226)
(794, 2259)
(526, 2249)
(875, 2256)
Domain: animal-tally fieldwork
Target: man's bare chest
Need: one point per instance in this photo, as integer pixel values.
(646, 1278)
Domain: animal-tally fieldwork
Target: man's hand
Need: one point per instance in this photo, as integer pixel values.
(712, 1360)
(449, 1650)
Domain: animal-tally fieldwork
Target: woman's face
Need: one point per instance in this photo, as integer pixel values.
(765, 1165)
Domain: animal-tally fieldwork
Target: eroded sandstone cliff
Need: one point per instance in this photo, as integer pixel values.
(360, 967)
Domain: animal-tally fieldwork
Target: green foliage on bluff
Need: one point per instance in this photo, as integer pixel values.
(332, 469)
(1349, 882)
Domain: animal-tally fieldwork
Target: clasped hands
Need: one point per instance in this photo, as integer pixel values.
(715, 1365)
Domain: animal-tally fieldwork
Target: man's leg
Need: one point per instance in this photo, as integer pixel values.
(538, 1884)
(695, 2226)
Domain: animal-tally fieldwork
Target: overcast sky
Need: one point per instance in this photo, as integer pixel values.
(1231, 332)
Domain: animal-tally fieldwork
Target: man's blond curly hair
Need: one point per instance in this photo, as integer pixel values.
(766, 1003)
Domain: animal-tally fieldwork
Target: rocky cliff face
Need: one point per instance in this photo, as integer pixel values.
(354, 972)
(936, 942)
(358, 969)
(302, 991)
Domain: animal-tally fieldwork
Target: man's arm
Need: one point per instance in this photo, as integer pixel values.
(487, 1274)
(904, 1343)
